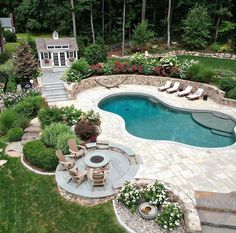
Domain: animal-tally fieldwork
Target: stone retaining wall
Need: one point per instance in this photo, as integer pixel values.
(197, 53)
(213, 92)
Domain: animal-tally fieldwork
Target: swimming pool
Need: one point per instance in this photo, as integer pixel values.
(147, 118)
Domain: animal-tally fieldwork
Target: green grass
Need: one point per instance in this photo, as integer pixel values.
(214, 63)
(31, 203)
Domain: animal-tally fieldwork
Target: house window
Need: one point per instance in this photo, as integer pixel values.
(57, 47)
(46, 56)
(50, 47)
(71, 55)
(65, 46)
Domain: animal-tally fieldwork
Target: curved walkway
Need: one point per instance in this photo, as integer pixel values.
(189, 168)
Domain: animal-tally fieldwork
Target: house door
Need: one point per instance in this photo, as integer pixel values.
(55, 59)
(62, 59)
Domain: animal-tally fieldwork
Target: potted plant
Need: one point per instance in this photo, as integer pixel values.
(46, 60)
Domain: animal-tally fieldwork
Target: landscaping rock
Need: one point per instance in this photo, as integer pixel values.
(2, 162)
(14, 149)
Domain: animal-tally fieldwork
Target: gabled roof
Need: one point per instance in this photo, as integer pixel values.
(42, 43)
(6, 22)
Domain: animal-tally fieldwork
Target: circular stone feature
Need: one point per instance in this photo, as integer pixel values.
(97, 159)
(147, 211)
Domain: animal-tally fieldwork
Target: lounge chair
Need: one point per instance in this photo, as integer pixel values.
(174, 88)
(185, 92)
(77, 176)
(196, 95)
(165, 87)
(67, 164)
(98, 179)
(74, 149)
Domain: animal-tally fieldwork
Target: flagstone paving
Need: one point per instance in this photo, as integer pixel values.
(190, 168)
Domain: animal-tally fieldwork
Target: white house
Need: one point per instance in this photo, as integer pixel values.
(7, 24)
(56, 53)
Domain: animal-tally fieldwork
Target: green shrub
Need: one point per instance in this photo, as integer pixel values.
(141, 35)
(206, 75)
(80, 65)
(8, 118)
(15, 134)
(22, 121)
(49, 115)
(107, 68)
(231, 94)
(71, 115)
(51, 133)
(95, 53)
(4, 57)
(40, 156)
(11, 84)
(227, 83)
(215, 47)
(193, 72)
(29, 106)
(9, 36)
(63, 139)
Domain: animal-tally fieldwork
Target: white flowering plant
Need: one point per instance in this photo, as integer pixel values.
(91, 116)
(169, 61)
(130, 196)
(184, 66)
(155, 194)
(170, 216)
(141, 59)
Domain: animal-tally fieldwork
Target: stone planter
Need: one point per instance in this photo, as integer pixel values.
(147, 211)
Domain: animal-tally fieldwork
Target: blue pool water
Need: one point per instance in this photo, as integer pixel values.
(147, 119)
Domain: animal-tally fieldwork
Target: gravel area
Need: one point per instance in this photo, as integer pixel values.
(140, 225)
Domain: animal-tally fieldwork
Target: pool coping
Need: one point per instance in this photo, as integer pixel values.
(123, 128)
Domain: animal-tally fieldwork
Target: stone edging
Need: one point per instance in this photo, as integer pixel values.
(213, 92)
(192, 220)
(34, 170)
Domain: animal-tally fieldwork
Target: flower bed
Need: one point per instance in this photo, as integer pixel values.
(176, 211)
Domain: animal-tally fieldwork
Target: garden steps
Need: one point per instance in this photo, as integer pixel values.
(216, 211)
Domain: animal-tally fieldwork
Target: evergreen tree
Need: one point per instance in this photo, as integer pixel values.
(25, 64)
(197, 28)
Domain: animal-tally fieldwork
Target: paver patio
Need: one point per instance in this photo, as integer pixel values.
(190, 168)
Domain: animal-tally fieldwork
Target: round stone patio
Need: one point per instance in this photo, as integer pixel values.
(190, 168)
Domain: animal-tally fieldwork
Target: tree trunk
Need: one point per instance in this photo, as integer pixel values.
(73, 17)
(168, 24)
(110, 24)
(92, 28)
(103, 20)
(217, 28)
(144, 10)
(123, 31)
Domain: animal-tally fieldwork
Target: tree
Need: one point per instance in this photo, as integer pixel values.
(123, 29)
(197, 27)
(73, 17)
(168, 24)
(143, 10)
(25, 64)
(141, 35)
(1, 39)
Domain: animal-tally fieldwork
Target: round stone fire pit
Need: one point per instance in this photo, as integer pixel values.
(95, 159)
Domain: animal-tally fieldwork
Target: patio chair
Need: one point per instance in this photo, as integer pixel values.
(67, 164)
(174, 88)
(165, 87)
(185, 92)
(98, 179)
(74, 148)
(196, 95)
(77, 176)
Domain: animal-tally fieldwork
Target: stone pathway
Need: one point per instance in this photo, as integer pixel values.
(190, 168)
(14, 149)
(32, 132)
(53, 87)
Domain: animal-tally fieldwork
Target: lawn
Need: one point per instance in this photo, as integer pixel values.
(31, 203)
(214, 63)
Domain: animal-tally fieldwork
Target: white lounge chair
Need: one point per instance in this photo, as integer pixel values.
(166, 86)
(174, 88)
(186, 91)
(196, 95)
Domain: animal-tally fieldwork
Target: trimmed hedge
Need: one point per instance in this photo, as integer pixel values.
(40, 156)
(15, 134)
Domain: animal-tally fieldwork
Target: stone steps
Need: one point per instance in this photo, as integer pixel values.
(216, 211)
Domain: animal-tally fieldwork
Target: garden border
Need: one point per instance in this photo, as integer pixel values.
(34, 170)
(192, 220)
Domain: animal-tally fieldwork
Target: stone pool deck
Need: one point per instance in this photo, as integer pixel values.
(190, 168)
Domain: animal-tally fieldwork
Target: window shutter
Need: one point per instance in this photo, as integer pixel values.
(67, 54)
(49, 55)
(42, 55)
(74, 54)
